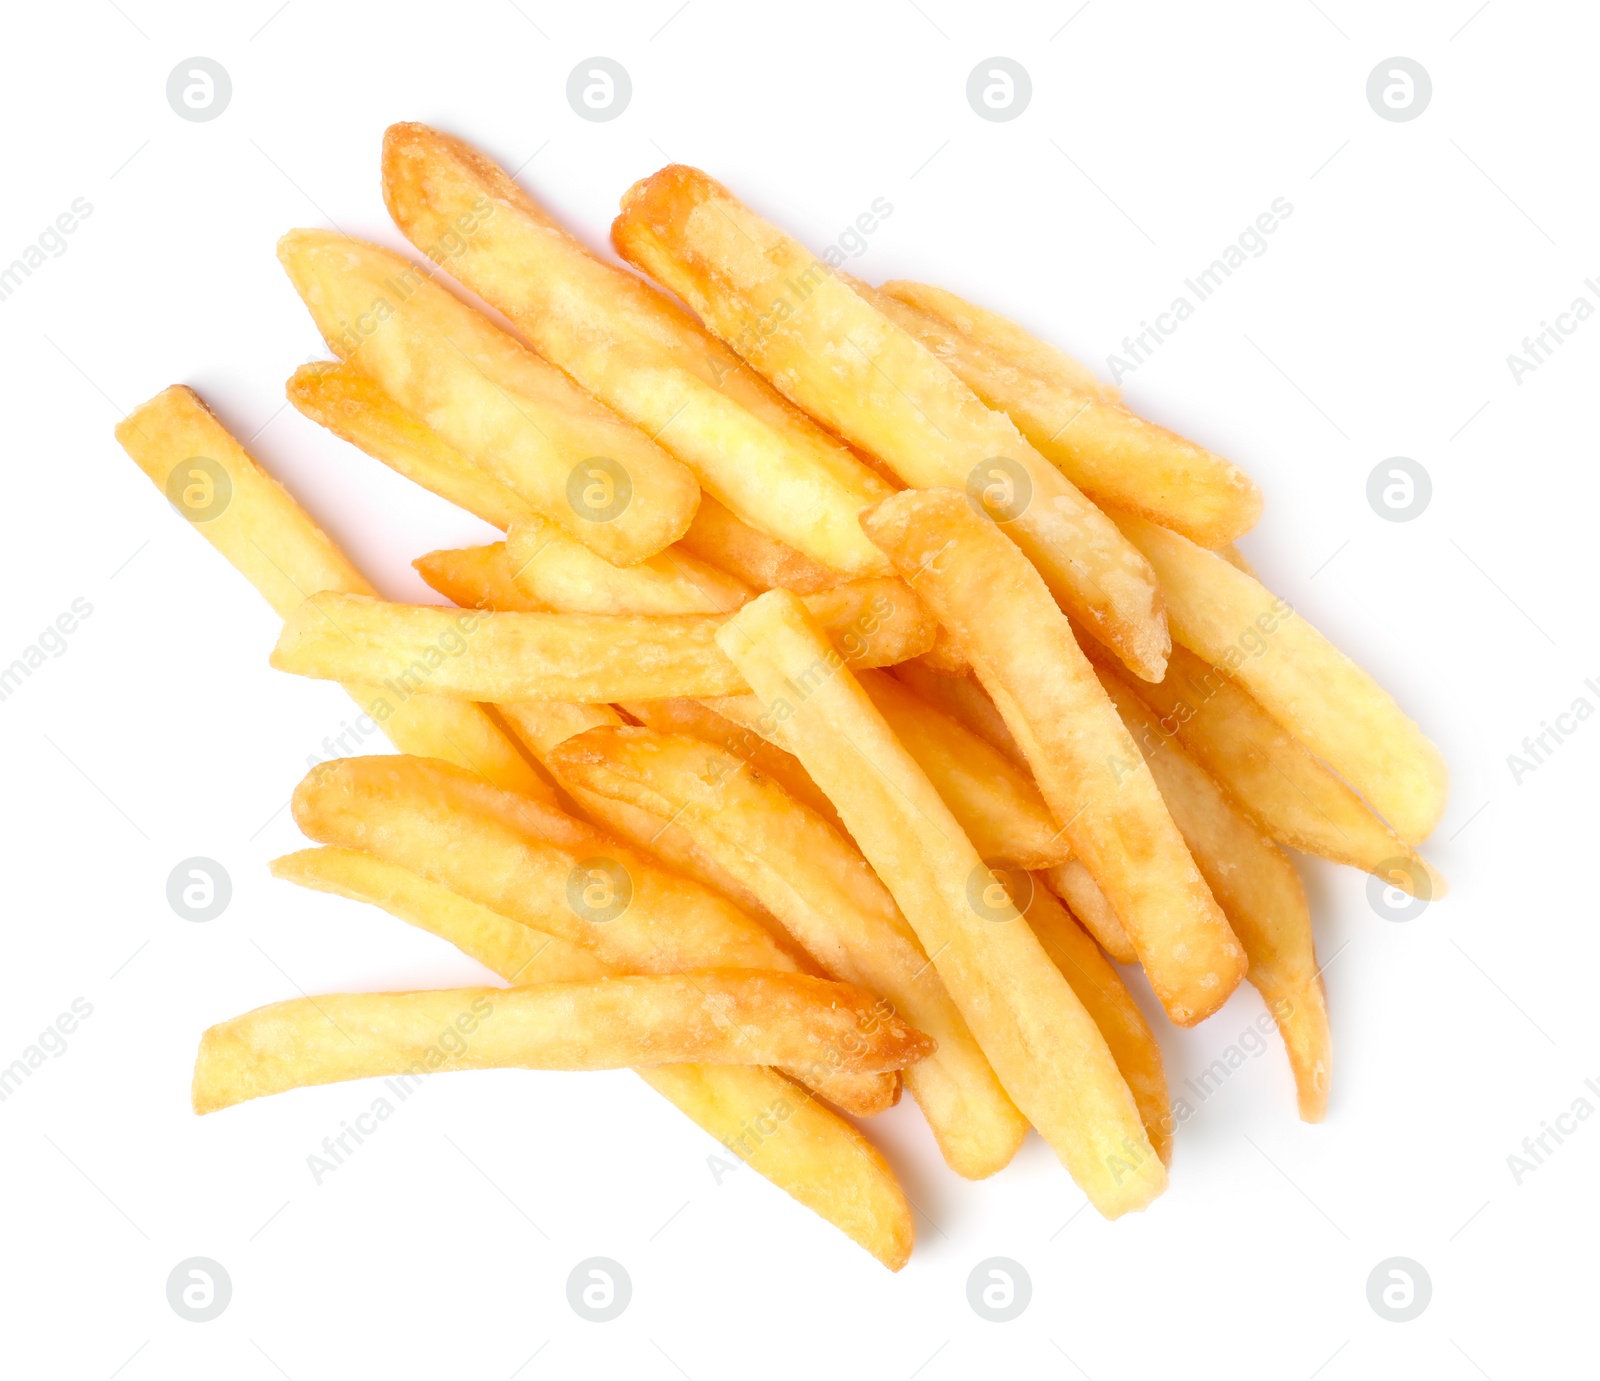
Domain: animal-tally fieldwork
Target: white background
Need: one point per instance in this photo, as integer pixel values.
(1417, 257)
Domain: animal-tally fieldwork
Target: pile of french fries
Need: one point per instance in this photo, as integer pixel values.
(856, 680)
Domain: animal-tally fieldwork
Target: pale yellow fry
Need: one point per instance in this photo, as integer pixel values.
(598, 658)
(1083, 760)
(1106, 998)
(1050, 1057)
(1275, 779)
(519, 418)
(1258, 889)
(755, 1113)
(818, 885)
(540, 866)
(762, 562)
(1113, 455)
(352, 405)
(849, 366)
(478, 578)
(562, 574)
(1075, 885)
(628, 345)
(270, 540)
(1316, 692)
(964, 699)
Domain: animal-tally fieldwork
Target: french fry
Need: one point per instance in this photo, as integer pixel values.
(1075, 885)
(1258, 889)
(494, 656)
(1275, 779)
(1083, 760)
(763, 756)
(270, 540)
(1050, 1057)
(719, 1016)
(813, 879)
(773, 1126)
(1105, 997)
(964, 699)
(562, 574)
(352, 405)
(522, 420)
(1316, 692)
(1111, 454)
(857, 372)
(541, 867)
(630, 347)
(762, 562)
(478, 578)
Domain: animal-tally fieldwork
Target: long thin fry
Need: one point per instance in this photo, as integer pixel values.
(815, 881)
(766, 1121)
(1050, 1057)
(849, 366)
(493, 656)
(270, 540)
(1085, 763)
(477, 578)
(522, 420)
(629, 346)
(1322, 697)
(1075, 885)
(762, 562)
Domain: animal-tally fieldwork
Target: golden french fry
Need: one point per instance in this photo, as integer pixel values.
(762, 562)
(495, 656)
(1075, 885)
(964, 700)
(270, 540)
(819, 886)
(1050, 1057)
(849, 366)
(520, 419)
(1256, 886)
(565, 575)
(755, 1113)
(1083, 759)
(539, 866)
(1316, 692)
(1002, 337)
(1106, 998)
(717, 1016)
(762, 755)
(1275, 779)
(629, 346)
(352, 405)
(478, 578)
(1111, 454)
